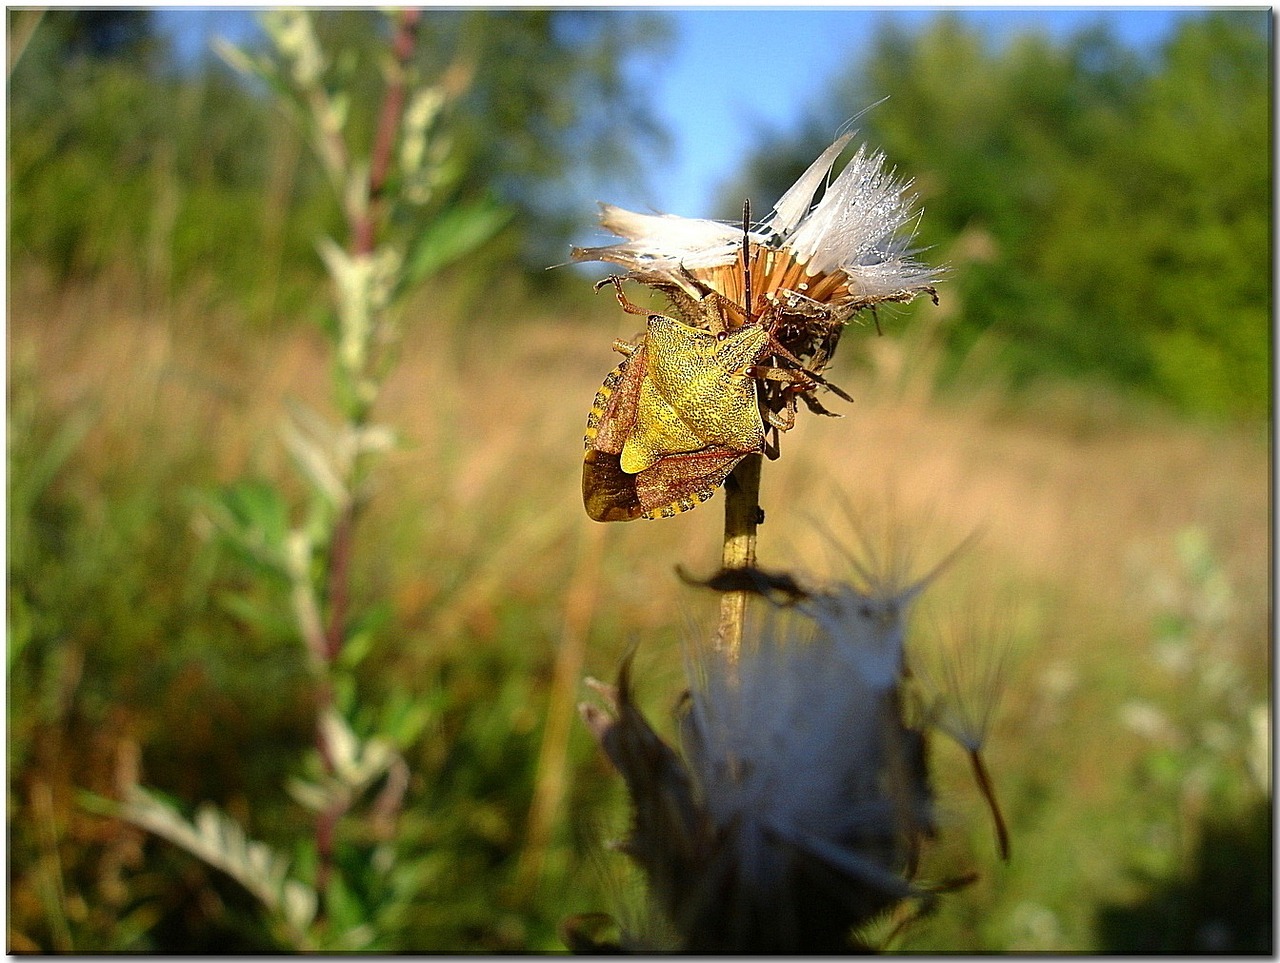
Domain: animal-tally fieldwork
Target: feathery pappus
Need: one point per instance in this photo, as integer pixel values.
(760, 309)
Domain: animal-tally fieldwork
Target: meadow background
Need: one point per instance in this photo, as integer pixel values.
(1093, 394)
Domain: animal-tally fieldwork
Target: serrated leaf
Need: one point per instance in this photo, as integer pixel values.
(220, 841)
(251, 519)
(311, 445)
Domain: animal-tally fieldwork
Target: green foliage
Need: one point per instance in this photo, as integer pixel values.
(126, 162)
(111, 166)
(102, 33)
(1205, 864)
(152, 632)
(1105, 216)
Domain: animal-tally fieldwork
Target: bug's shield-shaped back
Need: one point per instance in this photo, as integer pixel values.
(696, 394)
(672, 484)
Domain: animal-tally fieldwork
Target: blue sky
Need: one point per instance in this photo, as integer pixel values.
(790, 55)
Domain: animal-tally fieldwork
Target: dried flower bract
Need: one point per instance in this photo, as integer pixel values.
(806, 269)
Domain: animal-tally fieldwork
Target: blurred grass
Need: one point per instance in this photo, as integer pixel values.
(123, 656)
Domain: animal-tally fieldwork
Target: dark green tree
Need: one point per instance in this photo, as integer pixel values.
(185, 175)
(1105, 214)
(103, 32)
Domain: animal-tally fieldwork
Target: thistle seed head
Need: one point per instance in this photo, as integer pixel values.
(827, 259)
(793, 815)
(796, 810)
(801, 274)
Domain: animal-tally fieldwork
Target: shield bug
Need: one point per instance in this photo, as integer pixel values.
(643, 459)
(684, 407)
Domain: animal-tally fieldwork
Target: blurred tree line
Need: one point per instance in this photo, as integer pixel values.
(1105, 215)
(122, 156)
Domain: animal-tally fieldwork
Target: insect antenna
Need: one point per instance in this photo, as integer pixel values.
(746, 255)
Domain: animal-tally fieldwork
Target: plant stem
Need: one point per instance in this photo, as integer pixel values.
(364, 241)
(339, 581)
(989, 793)
(742, 516)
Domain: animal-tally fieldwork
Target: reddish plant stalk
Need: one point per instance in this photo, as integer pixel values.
(339, 581)
(989, 794)
(363, 242)
(402, 45)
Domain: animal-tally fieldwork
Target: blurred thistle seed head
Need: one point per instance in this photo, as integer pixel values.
(793, 817)
(812, 265)
(797, 810)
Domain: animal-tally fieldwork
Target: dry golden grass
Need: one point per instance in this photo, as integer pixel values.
(492, 418)
(1078, 500)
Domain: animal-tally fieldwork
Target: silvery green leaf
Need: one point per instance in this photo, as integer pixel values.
(291, 31)
(314, 465)
(375, 758)
(238, 60)
(352, 277)
(314, 458)
(387, 263)
(372, 439)
(355, 764)
(298, 904)
(220, 841)
(312, 795)
(306, 606)
(419, 116)
(341, 742)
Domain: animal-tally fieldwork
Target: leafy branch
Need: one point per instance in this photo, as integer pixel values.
(402, 224)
